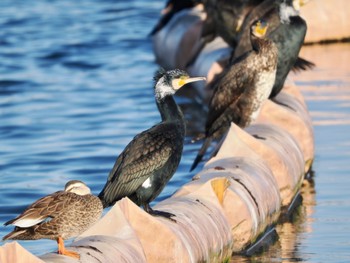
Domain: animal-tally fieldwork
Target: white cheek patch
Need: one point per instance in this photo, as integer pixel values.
(163, 89)
(147, 184)
(286, 12)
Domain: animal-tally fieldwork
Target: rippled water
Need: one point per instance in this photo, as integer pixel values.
(76, 87)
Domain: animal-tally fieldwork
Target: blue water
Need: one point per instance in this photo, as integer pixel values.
(76, 87)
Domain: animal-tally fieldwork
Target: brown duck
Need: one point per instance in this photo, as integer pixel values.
(59, 216)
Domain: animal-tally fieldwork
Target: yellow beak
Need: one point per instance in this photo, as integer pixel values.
(183, 82)
(303, 2)
(260, 29)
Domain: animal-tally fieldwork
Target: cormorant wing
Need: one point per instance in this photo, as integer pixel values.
(147, 152)
(229, 87)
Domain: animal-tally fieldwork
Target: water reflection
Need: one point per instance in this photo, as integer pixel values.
(283, 246)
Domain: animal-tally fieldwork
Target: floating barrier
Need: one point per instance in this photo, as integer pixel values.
(237, 198)
(327, 20)
(179, 38)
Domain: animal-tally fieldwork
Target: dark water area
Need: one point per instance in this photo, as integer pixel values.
(76, 87)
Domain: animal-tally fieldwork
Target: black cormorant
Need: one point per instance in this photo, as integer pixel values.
(286, 29)
(149, 161)
(171, 8)
(241, 88)
(224, 18)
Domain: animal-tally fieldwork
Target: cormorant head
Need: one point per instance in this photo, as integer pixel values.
(259, 28)
(178, 5)
(168, 82)
(77, 187)
(298, 3)
(290, 8)
(172, 7)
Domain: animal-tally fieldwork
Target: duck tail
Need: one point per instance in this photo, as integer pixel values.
(201, 153)
(10, 221)
(17, 233)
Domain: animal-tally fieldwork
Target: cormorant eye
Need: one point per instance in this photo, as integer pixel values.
(183, 80)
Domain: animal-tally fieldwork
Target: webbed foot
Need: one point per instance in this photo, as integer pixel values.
(259, 137)
(164, 214)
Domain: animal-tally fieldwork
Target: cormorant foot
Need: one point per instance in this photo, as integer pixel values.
(163, 214)
(152, 212)
(282, 104)
(258, 137)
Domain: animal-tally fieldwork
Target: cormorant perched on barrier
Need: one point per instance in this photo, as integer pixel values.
(241, 88)
(224, 18)
(171, 8)
(286, 29)
(149, 161)
(61, 215)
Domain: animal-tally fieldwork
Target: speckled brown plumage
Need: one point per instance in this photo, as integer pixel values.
(67, 215)
(236, 93)
(59, 216)
(287, 33)
(240, 90)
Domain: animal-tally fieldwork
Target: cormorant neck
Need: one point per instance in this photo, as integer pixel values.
(257, 43)
(168, 109)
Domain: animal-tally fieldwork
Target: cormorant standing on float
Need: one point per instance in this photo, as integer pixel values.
(241, 88)
(286, 29)
(149, 161)
(224, 18)
(171, 8)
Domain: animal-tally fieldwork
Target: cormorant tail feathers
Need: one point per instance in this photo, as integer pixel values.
(302, 64)
(201, 153)
(103, 200)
